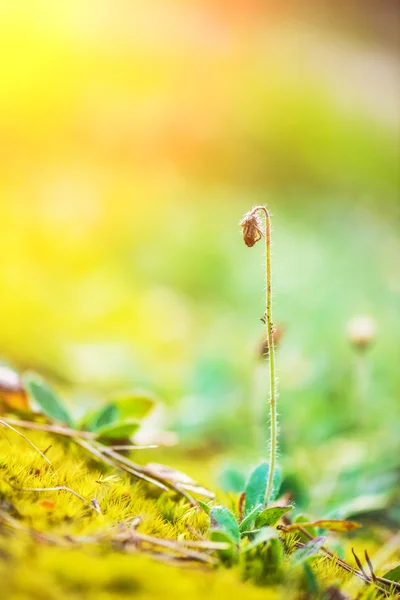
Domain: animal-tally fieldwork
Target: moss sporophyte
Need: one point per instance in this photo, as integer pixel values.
(253, 233)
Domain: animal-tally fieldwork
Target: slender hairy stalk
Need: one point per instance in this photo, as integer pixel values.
(270, 333)
(252, 233)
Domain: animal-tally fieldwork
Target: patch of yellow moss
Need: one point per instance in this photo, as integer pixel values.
(61, 512)
(33, 569)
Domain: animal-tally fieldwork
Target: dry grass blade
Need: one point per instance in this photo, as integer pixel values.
(50, 428)
(330, 524)
(177, 561)
(133, 447)
(341, 563)
(113, 458)
(196, 489)
(39, 536)
(359, 565)
(177, 478)
(373, 577)
(172, 545)
(195, 533)
(367, 558)
(129, 539)
(10, 521)
(6, 424)
(205, 544)
(58, 488)
(103, 457)
(141, 472)
(346, 567)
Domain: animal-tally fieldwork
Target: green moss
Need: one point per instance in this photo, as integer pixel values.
(31, 568)
(89, 565)
(62, 513)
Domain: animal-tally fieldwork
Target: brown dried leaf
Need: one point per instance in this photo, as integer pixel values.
(330, 524)
(12, 393)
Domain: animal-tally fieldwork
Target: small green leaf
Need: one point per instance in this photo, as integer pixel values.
(256, 487)
(48, 401)
(308, 551)
(119, 431)
(276, 481)
(393, 575)
(270, 516)
(360, 505)
(231, 480)
(264, 535)
(337, 547)
(104, 417)
(230, 555)
(303, 518)
(204, 506)
(223, 518)
(251, 517)
(134, 405)
(275, 554)
(249, 532)
(311, 580)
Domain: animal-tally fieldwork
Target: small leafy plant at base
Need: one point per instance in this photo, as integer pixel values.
(252, 533)
(253, 525)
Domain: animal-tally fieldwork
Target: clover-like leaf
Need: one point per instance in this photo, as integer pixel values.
(46, 398)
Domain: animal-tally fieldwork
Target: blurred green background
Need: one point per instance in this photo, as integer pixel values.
(134, 135)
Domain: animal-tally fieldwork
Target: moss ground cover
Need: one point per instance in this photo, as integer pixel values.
(53, 546)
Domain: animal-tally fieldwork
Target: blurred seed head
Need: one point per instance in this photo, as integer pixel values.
(277, 334)
(251, 228)
(361, 331)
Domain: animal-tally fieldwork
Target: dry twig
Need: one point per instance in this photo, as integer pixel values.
(344, 565)
(58, 488)
(6, 424)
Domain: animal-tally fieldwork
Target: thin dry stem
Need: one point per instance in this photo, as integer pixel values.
(127, 540)
(6, 424)
(59, 429)
(117, 461)
(57, 488)
(345, 566)
(133, 447)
